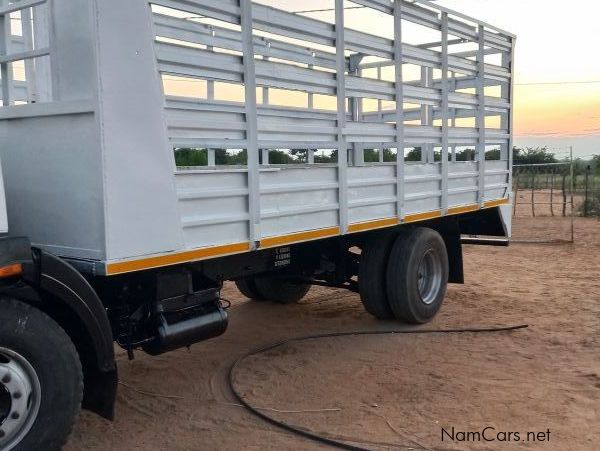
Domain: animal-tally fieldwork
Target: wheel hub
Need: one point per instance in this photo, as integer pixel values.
(19, 398)
(429, 277)
(5, 404)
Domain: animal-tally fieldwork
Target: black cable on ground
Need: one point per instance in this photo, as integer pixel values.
(313, 436)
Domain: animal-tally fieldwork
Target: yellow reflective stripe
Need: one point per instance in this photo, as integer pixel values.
(175, 258)
(299, 237)
(463, 209)
(371, 225)
(423, 216)
(496, 203)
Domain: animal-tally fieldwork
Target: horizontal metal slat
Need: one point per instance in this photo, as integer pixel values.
(384, 6)
(23, 4)
(181, 60)
(286, 76)
(293, 211)
(209, 35)
(370, 88)
(225, 10)
(28, 54)
(291, 25)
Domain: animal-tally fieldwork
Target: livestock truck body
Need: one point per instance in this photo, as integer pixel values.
(152, 150)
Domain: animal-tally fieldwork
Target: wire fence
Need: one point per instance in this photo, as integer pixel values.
(588, 186)
(545, 202)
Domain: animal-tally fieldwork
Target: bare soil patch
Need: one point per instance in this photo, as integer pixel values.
(394, 392)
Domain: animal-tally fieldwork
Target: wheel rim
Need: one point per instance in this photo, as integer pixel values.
(429, 276)
(20, 398)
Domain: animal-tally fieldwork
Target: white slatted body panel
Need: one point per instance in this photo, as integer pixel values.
(145, 79)
(297, 54)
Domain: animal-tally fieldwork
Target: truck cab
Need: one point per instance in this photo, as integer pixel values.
(47, 327)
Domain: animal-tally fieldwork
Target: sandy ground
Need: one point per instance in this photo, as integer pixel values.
(392, 392)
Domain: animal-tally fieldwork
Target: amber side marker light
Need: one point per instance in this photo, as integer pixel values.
(11, 271)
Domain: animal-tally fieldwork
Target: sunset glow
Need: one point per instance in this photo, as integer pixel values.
(556, 43)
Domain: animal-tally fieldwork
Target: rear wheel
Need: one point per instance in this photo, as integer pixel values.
(417, 275)
(248, 288)
(281, 289)
(372, 275)
(41, 382)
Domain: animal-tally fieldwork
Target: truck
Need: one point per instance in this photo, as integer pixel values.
(152, 150)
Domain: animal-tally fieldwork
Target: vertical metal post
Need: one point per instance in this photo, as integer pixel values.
(564, 194)
(430, 118)
(211, 157)
(572, 196)
(454, 111)
(427, 153)
(587, 192)
(445, 113)
(509, 118)
(311, 95)
(251, 122)
(361, 101)
(379, 101)
(27, 31)
(43, 36)
(399, 84)
(210, 95)
(358, 152)
(340, 45)
(210, 84)
(266, 91)
(424, 116)
(552, 193)
(481, 114)
(516, 193)
(533, 190)
(5, 69)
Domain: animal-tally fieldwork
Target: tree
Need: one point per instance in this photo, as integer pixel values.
(191, 157)
(281, 157)
(331, 158)
(371, 156)
(595, 163)
(413, 155)
(533, 155)
(466, 155)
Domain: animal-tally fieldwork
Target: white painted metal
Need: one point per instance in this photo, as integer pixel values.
(3, 213)
(251, 121)
(445, 112)
(89, 166)
(399, 119)
(342, 115)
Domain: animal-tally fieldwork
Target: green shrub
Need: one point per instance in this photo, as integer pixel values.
(591, 206)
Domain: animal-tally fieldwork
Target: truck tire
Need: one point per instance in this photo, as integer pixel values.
(248, 288)
(417, 275)
(281, 290)
(41, 381)
(372, 276)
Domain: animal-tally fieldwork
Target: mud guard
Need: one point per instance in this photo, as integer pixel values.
(55, 287)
